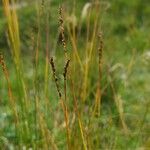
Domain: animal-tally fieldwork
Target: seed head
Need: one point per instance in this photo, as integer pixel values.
(55, 77)
(66, 68)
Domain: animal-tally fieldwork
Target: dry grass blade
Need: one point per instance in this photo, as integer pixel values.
(13, 29)
(78, 115)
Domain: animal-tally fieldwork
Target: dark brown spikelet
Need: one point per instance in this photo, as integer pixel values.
(62, 30)
(2, 63)
(60, 16)
(100, 54)
(100, 48)
(66, 69)
(54, 76)
(43, 2)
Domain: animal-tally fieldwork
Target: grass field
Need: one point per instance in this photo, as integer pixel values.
(74, 75)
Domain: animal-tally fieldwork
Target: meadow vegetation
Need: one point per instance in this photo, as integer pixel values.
(74, 74)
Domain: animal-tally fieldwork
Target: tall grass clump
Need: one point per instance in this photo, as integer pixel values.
(73, 95)
(62, 91)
